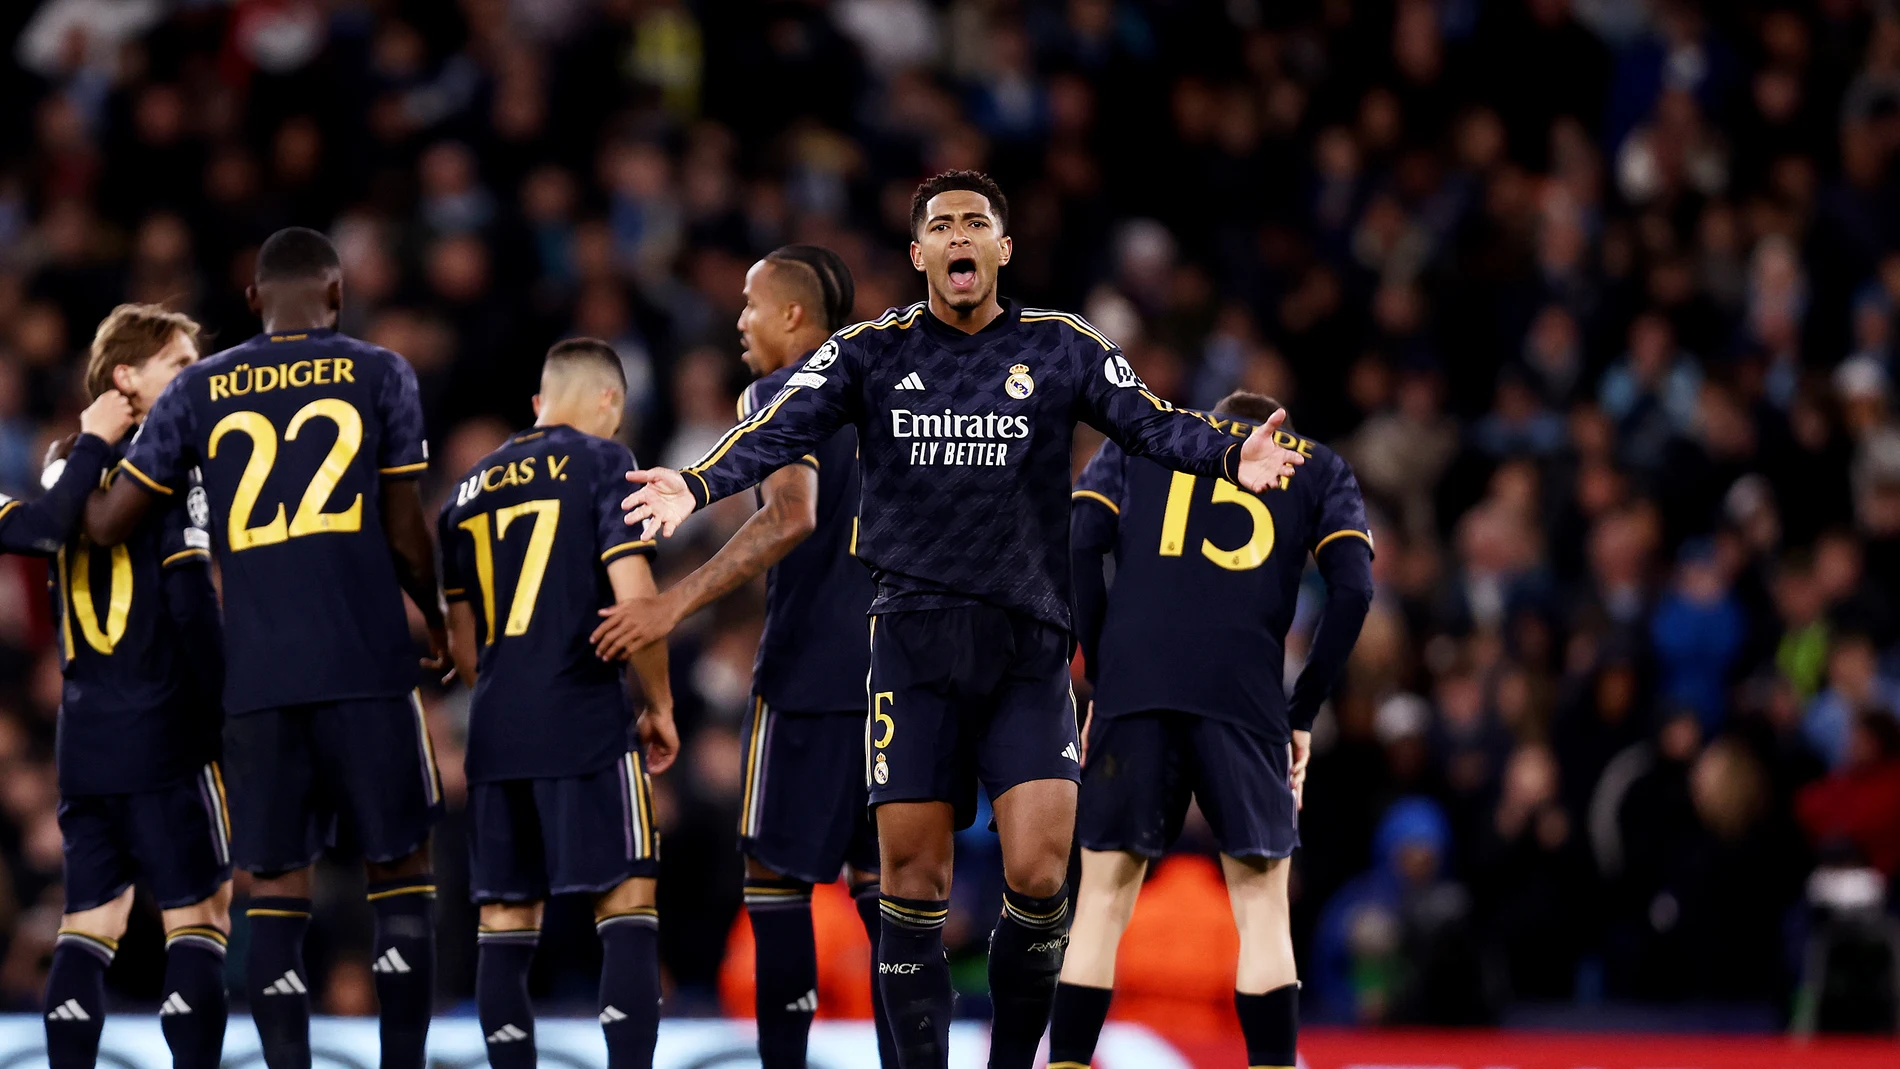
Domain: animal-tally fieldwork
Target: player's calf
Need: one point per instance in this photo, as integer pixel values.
(1266, 987)
(279, 917)
(1111, 882)
(1033, 820)
(402, 894)
(785, 964)
(194, 1009)
(629, 926)
(76, 982)
(915, 841)
(505, 945)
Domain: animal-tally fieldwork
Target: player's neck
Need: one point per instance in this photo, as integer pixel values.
(796, 351)
(290, 320)
(967, 320)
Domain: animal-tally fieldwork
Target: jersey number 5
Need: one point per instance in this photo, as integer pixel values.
(1250, 555)
(534, 566)
(310, 517)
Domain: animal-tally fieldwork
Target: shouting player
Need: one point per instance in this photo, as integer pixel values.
(1189, 699)
(803, 814)
(140, 794)
(965, 406)
(310, 444)
(558, 797)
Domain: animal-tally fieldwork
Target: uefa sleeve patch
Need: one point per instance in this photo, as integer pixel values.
(806, 378)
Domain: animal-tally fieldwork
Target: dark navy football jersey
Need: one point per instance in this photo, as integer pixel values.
(294, 434)
(39, 528)
(1207, 577)
(964, 445)
(526, 541)
(815, 650)
(130, 717)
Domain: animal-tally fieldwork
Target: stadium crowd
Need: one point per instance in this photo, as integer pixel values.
(1598, 297)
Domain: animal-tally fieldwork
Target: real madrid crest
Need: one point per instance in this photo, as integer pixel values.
(881, 771)
(1019, 385)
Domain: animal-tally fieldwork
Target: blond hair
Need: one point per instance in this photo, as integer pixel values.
(130, 335)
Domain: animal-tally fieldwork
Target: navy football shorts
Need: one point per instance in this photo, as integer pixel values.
(802, 813)
(358, 774)
(1143, 767)
(177, 839)
(531, 838)
(966, 695)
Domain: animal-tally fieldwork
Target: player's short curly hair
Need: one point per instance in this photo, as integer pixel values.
(974, 181)
(130, 335)
(296, 254)
(1253, 406)
(830, 275)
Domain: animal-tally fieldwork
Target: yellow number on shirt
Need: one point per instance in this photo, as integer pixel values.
(79, 590)
(534, 566)
(1174, 517)
(310, 518)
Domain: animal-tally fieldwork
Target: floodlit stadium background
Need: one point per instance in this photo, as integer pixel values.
(1599, 297)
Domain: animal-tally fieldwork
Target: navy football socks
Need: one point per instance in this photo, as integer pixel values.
(76, 998)
(195, 1006)
(279, 994)
(630, 986)
(1025, 959)
(916, 979)
(785, 968)
(403, 965)
(1076, 1024)
(865, 895)
(503, 958)
(1271, 1023)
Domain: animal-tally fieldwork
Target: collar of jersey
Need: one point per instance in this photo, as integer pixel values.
(298, 335)
(950, 337)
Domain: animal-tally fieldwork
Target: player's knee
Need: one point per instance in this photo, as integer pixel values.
(212, 912)
(415, 863)
(292, 884)
(511, 916)
(920, 876)
(639, 892)
(108, 921)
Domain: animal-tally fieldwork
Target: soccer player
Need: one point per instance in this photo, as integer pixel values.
(803, 816)
(39, 528)
(140, 795)
(1188, 650)
(965, 406)
(310, 443)
(558, 797)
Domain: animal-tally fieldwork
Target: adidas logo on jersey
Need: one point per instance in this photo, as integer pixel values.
(910, 382)
(287, 984)
(507, 1034)
(807, 1003)
(1070, 752)
(610, 1015)
(173, 1006)
(390, 962)
(69, 1010)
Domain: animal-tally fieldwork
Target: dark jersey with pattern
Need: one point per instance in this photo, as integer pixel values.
(810, 657)
(39, 528)
(133, 715)
(964, 447)
(525, 542)
(294, 434)
(1207, 577)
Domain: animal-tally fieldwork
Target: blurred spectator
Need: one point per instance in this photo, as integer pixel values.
(1856, 687)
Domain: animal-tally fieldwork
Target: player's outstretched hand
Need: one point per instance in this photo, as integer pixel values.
(1263, 461)
(1302, 748)
(109, 416)
(661, 737)
(633, 624)
(662, 501)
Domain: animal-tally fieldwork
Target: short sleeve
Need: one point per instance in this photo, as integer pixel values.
(187, 534)
(615, 537)
(163, 449)
(454, 583)
(1342, 509)
(405, 450)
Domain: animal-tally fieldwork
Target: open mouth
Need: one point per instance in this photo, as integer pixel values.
(962, 273)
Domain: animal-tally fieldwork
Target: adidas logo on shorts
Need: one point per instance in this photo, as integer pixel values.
(507, 1034)
(287, 984)
(1070, 752)
(390, 962)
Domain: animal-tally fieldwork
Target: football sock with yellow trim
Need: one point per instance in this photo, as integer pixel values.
(403, 964)
(916, 979)
(630, 986)
(76, 998)
(1271, 1023)
(503, 958)
(865, 894)
(279, 994)
(1076, 1024)
(785, 968)
(1026, 950)
(195, 1007)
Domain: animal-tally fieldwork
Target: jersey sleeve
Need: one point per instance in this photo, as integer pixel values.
(755, 397)
(454, 582)
(1093, 522)
(41, 527)
(1342, 509)
(814, 403)
(164, 448)
(1114, 400)
(615, 538)
(186, 537)
(405, 450)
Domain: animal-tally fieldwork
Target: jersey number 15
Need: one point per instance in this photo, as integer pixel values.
(1174, 518)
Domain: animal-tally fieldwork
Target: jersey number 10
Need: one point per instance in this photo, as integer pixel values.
(534, 566)
(1250, 555)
